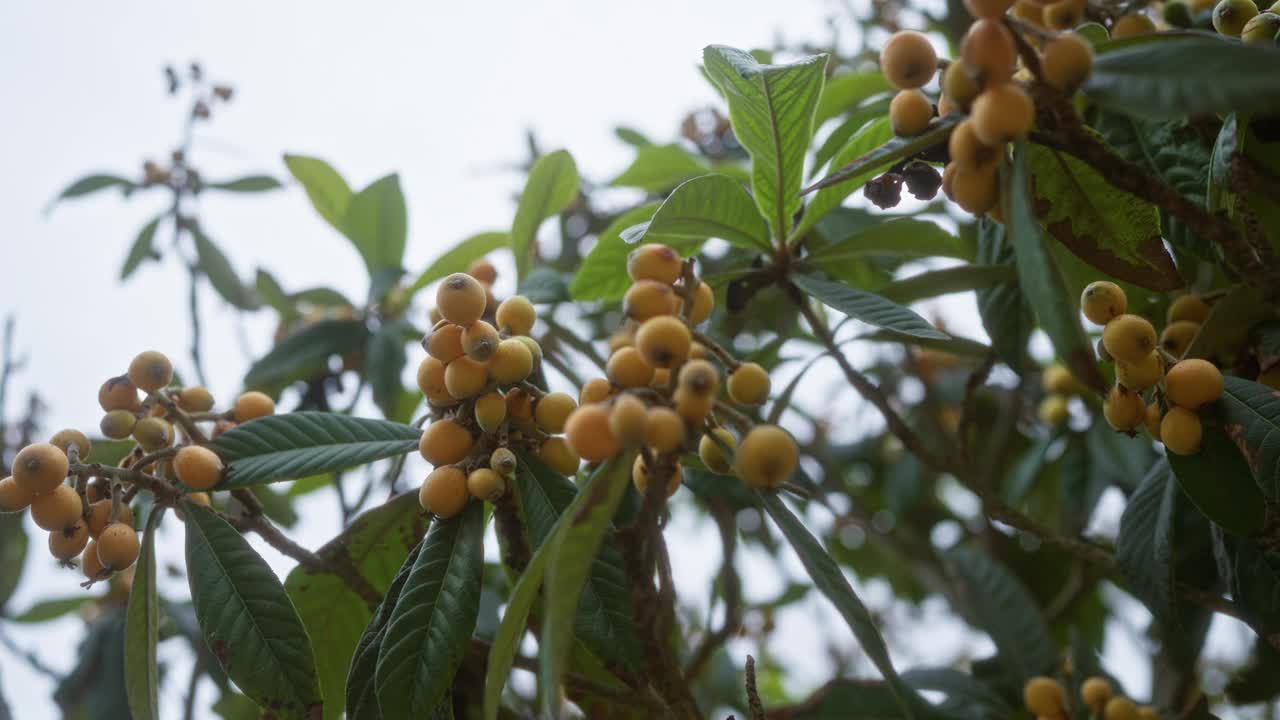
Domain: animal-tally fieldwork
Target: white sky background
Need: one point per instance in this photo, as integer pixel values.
(440, 95)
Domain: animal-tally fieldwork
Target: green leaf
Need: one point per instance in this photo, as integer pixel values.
(933, 283)
(247, 618)
(142, 248)
(377, 222)
(272, 294)
(868, 307)
(545, 284)
(459, 257)
(384, 364)
(603, 272)
(903, 237)
(298, 444)
(142, 632)
(1041, 280)
(329, 193)
(966, 694)
(1004, 608)
(1144, 546)
(551, 187)
(574, 551)
(632, 137)
(430, 628)
(1231, 318)
(1251, 417)
(845, 91)
(305, 354)
(1106, 227)
(831, 582)
(13, 554)
(771, 108)
(847, 699)
(47, 610)
(1218, 481)
(952, 344)
(374, 546)
(90, 184)
(1004, 311)
(361, 689)
(248, 183)
(705, 207)
(222, 276)
(1215, 75)
(658, 168)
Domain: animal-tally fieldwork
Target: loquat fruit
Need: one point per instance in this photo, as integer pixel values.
(946, 106)
(535, 350)
(445, 442)
(195, 399)
(99, 516)
(1044, 696)
(1064, 14)
(503, 461)
(908, 60)
(118, 393)
(663, 429)
(693, 408)
(150, 371)
(445, 343)
(661, 378)
(444, 492)
(697, 350)
(640, 476)
(117, 546)
(1095, 692)
(486, 484)
(511, 362)
(1124, 409)
(704, 301)
(621, 339)
(1031, 11)
(1053, 410)
(987, 9)
(1120, 708)
(588, 433)
(199, 498)
(976, 190)
(461, 299)
(519, 404)
(766, 457)
(1129, 338)
(1229, 17)
(1193, 383)
(516, 315)
(1066, 61)
(199, 468)
(1135, 24)
(14, 497)
(628, 368)
(595, 390)
(627, 420)
(490, 411)
(649, 298)
(1261, 29)
(464, 377)
(1181, 431)
(39, 468)
(910, 112)
(553, 410)
(1154, 416)
(1141, 375)
(252, 405)
(66, 438)
(90, 565)
(57, 509)
(699, 377)
(749, 384)
(1002, 113)
(1146, 712)
(1058, 380)
(479, 341)
(1103, 301)
(152, 433)
(1178, 336)
(484, 271)
(968, 152)
(711, 453)
(1188, 308)
(68, 542)
(431, 382)
(988, 51)
(958, 85)
(654, 261)
(557, 455)
(664, 341)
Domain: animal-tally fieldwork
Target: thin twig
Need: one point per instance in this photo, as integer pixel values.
(754, 706)
(731, 587)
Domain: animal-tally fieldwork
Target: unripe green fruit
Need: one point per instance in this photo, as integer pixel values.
(1053, 410)
(1178, 14)
(1261, 29)
(1231, 16)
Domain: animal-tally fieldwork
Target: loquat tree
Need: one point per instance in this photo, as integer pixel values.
(1109, 176)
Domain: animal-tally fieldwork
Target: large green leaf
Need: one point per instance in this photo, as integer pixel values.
(384, 362)
(831, 582)
(1214, 75)
(658, 168)
(329, 192)
(459, 257)
(299, 444)
(142, 248)
(868, 307)
(967, 696)
(603, 272)
(361, 688)
(90, 184)
(552, 185)
(845, 91)
(142, 632)
(847, 699)
(248, 183)
(430, 628)
(13, 554)
(868, 142)
(1231, 319)
(903, 237)
(1144, 546)
(705, 207)
(1108, 228)
(222, 276)
(374, 546)
(1251, 417)
(1218, 481)
(305, 353)
(944, 282)
(377, 222)
(771, 108)
(1041, 281)
(1004, 311)
(51, 609)
(247, 618)
(573, 553)
(1004, 608)
(604, 618)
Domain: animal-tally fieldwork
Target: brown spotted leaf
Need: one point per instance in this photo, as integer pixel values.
(1251, 417)
(1106, 227)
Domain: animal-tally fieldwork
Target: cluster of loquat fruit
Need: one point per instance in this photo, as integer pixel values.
(90, 517)
(1233, 18)
(1179, 387)
(1047, 700)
